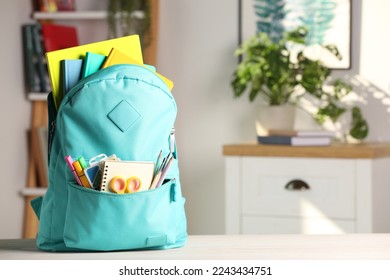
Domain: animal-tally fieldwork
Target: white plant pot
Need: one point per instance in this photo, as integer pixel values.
(275, 117)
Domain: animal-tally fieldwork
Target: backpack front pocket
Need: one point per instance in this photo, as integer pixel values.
(107, 221)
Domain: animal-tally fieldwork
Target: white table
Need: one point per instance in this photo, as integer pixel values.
(230, 247)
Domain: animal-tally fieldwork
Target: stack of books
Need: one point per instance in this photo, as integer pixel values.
(297, 137)
(37, 40)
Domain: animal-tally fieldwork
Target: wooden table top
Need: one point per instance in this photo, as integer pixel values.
(337, 150)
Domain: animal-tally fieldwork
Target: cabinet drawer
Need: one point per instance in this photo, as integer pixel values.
(331, 185)
(278, 225)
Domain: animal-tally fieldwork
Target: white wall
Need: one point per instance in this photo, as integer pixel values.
(374, 65)
(196, 43)
(14, 118)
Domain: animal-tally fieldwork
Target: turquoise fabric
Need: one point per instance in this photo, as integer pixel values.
(124, 110)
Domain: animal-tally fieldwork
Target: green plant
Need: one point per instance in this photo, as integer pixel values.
(277, 72)
(126, 17)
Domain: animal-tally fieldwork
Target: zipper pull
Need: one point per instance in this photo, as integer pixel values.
(50, 138)
(173, 190)
(172, 141)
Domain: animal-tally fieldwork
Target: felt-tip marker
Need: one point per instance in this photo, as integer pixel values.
(69, 161)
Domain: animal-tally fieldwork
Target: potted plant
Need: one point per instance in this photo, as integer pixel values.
(281, 74)
(126, 17)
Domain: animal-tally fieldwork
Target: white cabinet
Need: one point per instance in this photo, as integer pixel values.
(310, 190)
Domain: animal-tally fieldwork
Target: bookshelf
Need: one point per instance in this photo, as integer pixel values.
(74, 15)
(37, 96)
(36, 180)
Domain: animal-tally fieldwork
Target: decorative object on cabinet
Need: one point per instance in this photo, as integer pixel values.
(282, 73)
(341, 188)
(297, 137)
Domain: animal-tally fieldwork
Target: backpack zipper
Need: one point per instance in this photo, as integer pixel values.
(50, 140)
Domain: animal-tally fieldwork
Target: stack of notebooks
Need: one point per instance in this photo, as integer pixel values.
(68, 66)
(297, 137)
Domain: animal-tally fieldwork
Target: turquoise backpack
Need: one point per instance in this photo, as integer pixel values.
(126, 110)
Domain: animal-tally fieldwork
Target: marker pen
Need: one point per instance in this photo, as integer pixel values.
(70, 161)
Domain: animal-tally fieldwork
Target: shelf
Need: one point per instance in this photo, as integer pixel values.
(37, 191)
(71, 15)
(37, 96)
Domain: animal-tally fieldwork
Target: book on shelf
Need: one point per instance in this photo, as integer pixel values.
(301, 133)
(58, 37)
(294, 140)
(53, 5)
(29, 58)
(36, 73)
(66, 5)
(45, 5)
(41, 60)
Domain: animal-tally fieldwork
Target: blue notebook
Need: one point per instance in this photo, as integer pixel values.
(92, 63)
(70, 73)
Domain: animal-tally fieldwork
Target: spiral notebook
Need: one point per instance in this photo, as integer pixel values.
(127, 169)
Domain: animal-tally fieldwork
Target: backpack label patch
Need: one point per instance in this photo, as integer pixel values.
(124, 115)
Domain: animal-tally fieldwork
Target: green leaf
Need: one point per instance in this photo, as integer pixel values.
(331, 111)
(341, 89)
(334, 50)
(359, 127)
(238, 86)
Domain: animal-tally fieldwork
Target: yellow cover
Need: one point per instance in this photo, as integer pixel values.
(118, 57)
(130, 45)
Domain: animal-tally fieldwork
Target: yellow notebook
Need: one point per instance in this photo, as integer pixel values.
(118, 57)
(130, 45)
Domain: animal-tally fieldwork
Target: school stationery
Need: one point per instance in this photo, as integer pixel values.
(118, 184)
(80, 173)
(129, 45)
(69, 162)
(82, 162)
(118, 57)
(158, 163)
(126, 110)
(164, 172)
(70, 73)
(162, 166)
(128, 169)
(93, 175)
(92, 63)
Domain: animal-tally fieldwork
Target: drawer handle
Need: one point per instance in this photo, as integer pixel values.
(297, 185)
